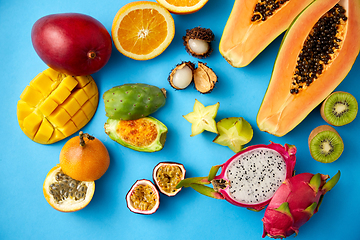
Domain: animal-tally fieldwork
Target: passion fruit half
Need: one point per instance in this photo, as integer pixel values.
(143, 197)
(66, 194)
(167, 175)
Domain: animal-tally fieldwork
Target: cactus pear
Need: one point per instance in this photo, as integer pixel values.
(133, 101)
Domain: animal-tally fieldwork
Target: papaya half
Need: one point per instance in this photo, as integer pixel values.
(316, 54)
(253, 25)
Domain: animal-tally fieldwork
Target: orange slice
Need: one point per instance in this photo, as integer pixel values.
(142, 30)
(183, 6)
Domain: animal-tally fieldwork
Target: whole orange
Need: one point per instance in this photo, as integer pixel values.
(84, 158)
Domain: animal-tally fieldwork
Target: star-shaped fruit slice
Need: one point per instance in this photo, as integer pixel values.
(202, 118)
(234, 132)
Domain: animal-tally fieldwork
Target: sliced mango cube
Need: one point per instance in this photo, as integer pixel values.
(32, 123)
(59, 117)
(43, 84)
(60, 94)
(48, 106)
(69, 82)
(71, 106)
(55, 105)
(31, 96)
(80, 96)
(45, 131)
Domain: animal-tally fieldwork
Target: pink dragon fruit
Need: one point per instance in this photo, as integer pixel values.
(295, 202)
(249, 178)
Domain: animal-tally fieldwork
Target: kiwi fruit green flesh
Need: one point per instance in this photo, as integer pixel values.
(325, 144)
(339, 108)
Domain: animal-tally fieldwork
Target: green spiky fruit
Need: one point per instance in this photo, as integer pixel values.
(133, 101)
(234, 132)
(202, 118)
(144, 134)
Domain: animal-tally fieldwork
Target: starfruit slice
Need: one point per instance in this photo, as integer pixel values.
(202, 118)
(55, 105)
(234, 132)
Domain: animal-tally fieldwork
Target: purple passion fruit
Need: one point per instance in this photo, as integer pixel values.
(72, 43)
(143, 197)
(167, 175)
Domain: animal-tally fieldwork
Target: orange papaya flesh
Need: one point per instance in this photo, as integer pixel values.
(281, 111)
(243, 39)
(55, 105)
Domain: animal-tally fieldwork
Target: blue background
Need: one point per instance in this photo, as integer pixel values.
(24, 212)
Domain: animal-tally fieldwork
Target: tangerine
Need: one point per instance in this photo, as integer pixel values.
(84, 158)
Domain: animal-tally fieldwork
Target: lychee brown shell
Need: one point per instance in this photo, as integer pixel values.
(177, 67)
(87, 163)
(160, 164)
(198, 33)
(204, 78)
(67, 205)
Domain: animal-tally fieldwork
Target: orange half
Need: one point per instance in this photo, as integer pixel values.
(142, 30)
(183, 6)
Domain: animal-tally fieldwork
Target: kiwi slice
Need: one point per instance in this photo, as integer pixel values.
(325, 144)
(339, 108)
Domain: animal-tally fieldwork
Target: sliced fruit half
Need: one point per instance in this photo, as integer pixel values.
(167, 175)
(325, 144)
(143, 197)
(339, 108)
(310, 63)
(144, 134)
(142, 30)
(66, 194)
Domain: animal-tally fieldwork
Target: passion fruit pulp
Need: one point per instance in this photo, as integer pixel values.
(143, 197)
(167, 175)
(66, 194)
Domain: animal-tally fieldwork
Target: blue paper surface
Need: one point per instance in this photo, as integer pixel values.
(24, 212)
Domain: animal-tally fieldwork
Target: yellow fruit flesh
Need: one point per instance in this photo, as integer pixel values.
(55, 105)
(168, 177)
(143, 198)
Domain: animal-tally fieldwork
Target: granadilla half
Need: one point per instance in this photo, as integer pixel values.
(249, 178)
(143, 197)
(167, 175)
(197, 42)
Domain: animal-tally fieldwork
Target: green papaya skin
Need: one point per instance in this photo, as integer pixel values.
(133, 101)
(144, 135)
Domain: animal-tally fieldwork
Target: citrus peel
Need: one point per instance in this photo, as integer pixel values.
(182, 6)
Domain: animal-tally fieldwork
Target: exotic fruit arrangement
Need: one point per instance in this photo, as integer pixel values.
(295, 202)
(321, 44)
(84, 43)
(250, 178)
(310, 63)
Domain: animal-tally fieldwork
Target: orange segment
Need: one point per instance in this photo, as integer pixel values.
(142, 30)
(182, 6)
